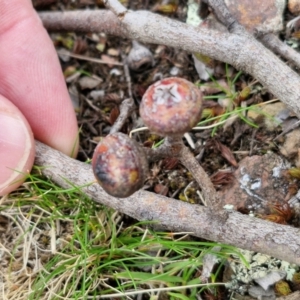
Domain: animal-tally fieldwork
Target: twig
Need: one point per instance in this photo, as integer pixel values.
(126, 108)
(207, 188)
(116, 7)
(271, 41)
(127, 76)
(232, 228)
(289, 128)
(225, 17)
(86, 58)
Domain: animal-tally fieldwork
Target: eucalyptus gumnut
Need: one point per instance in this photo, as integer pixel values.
(171, 106)
(119, 165)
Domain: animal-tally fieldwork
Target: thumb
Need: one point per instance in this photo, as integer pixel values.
(16, 147)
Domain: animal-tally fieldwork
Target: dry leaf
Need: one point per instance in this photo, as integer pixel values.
(222, 177)
(109, 60)
(170, 163)
(114, 113)
(161, 189)
(90, 83)
(271, 278)
(113, 52)
(226, 153)
(80, 46)
(165, 8)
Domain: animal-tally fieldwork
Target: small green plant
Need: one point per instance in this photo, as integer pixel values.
(235, 105)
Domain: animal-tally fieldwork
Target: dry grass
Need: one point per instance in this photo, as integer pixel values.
(57, 244)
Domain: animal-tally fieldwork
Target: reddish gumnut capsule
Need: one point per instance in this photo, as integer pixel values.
(119, 165)
(171, 106)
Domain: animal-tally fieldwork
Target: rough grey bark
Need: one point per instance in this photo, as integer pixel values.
(240, 50)
(231, 228)
(271, 41)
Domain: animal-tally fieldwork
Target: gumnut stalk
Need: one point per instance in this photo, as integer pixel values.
(119, 165)
(171, 106)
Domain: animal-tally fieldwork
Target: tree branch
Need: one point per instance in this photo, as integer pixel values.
(241, 51)
(231, 228)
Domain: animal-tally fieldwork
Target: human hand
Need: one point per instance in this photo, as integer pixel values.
(33, 95)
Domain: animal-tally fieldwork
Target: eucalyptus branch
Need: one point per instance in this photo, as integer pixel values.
(240, 50)
(231, 227)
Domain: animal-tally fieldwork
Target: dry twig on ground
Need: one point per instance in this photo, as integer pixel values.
(225, 227)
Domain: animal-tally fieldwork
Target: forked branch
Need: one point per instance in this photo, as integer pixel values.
(242, 51)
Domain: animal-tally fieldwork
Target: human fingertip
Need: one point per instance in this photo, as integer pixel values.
(66, 142)
(17, 147)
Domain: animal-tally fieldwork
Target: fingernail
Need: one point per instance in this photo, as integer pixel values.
(16, 144)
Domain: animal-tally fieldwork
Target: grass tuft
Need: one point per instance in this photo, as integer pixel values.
(58, 244)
